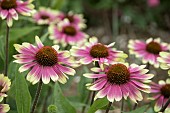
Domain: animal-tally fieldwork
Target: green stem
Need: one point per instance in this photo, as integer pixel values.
(37, 95)
(6, 51)
(135, 106)
(108, 107)
(6, 54)
(93, 94)
(148, 66)
(122, 105)
(87, 100)
(96, 63)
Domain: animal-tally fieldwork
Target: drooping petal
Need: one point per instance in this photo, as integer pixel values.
(159, 104)
(98, 85)
(4, 14)
(103, 92)
(90, 75)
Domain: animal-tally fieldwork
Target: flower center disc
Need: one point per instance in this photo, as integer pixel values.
(70, 18)
(165, 90)
(44, 17)
(8, 4)
(99, 51)
(118, 74)
(153, 47)
(46, 56)
(69, 30)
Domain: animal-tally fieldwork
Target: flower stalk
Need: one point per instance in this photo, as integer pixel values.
(37, 95)
(108, 107)
(93, 93)
(6, 51)
(122, 105)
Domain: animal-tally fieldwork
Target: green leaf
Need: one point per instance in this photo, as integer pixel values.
(61, 102)
(22, 95)
(57, 4)
(139, 110)
(44, 37)
(100, 103)
(16, 33)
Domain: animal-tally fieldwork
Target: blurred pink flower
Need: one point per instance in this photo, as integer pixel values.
(9, 9)
(75, 19)
(45, 16)
(148, 51)
(66, 33)
(153, 3)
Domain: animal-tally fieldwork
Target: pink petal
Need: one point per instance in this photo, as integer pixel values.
(103, 92)
(91, 75)
(12, 11)
(159, 103)
(98, 85)
(66, 70)
(26, 66)
(4, 14)
(53, 74)
(9, 20)
(45, 75)
(125, 91)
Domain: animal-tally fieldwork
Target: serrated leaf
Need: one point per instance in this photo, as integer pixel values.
(16, 33)
(100, 103)
(61, 102)
(22, 95)
(139, 110)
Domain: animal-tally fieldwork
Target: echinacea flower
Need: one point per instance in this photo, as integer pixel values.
(94, 51)
(153, 3)
(161, 93)
(75, 19)
(9, 9)
(44, 62)
(5, 84)
(4, 108)
(148, 51)
(45, 16)
(119, 81)
(164, 60)
(66, 33)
